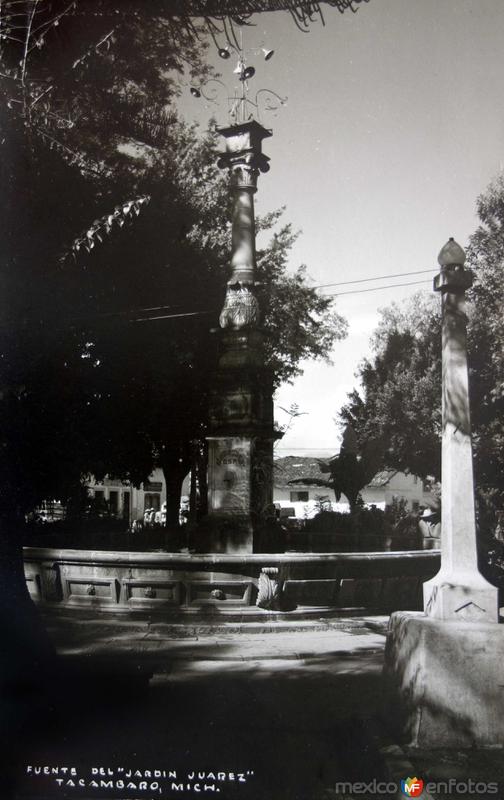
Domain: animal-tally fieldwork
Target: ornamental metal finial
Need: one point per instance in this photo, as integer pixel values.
(241, 108)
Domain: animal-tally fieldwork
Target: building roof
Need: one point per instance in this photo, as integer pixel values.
(291, 468)
(382, 478)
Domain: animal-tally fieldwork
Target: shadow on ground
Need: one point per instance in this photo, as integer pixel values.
(292, 727)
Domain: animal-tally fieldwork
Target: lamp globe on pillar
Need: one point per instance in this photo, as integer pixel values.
(451, 255)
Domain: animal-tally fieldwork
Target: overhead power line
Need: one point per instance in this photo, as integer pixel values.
(134, 311)
(331, 294)
(322, 286)
(374, 288)
(376, 278)
(171, 316)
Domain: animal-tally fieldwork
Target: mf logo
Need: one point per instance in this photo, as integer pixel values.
(412, 787)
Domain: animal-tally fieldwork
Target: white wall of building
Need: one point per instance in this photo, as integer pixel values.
(126, 500)
(400, 486)
(288, 494)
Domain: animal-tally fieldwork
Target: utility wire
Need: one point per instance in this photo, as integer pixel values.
(179, 315)
(374, 288)
(322, 286)
(377, 278)
(331, 294)
(172, 316)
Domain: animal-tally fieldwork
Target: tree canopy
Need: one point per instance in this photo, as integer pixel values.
(400, 394)
(485, 255)
(114, 263)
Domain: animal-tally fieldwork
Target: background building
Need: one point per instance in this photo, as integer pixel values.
(389, 485)
(122, 500)
(386, 486)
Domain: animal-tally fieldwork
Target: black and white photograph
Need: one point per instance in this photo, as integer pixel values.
(251, 399)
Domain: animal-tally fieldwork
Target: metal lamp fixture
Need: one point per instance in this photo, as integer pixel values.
(240, 107)
(247, 73)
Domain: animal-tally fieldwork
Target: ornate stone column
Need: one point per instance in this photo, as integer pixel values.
(241, 416)
(458, 591)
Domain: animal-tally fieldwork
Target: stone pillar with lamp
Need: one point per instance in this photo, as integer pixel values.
(444, 667)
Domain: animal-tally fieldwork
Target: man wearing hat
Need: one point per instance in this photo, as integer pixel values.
(430, 528)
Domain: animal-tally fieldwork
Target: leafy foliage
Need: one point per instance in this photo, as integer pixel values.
(485, 255)
(400, 398)
(106, 353)
(401, 388)
(354, 467)
(301, 324)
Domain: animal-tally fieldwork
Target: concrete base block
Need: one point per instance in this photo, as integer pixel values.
(445, 681)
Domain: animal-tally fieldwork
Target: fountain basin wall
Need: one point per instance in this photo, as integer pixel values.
(176, 583)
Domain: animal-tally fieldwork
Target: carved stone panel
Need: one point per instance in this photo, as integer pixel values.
(86, 586)
(150, 593)
(229, 475)
(212, 592)
(236, 406)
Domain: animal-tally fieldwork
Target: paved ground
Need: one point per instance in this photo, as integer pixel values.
(161, 643)
(270, 716)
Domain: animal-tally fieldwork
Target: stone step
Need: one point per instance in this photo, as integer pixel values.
(237, 621)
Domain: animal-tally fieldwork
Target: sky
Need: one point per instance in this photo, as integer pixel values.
(393, 126)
